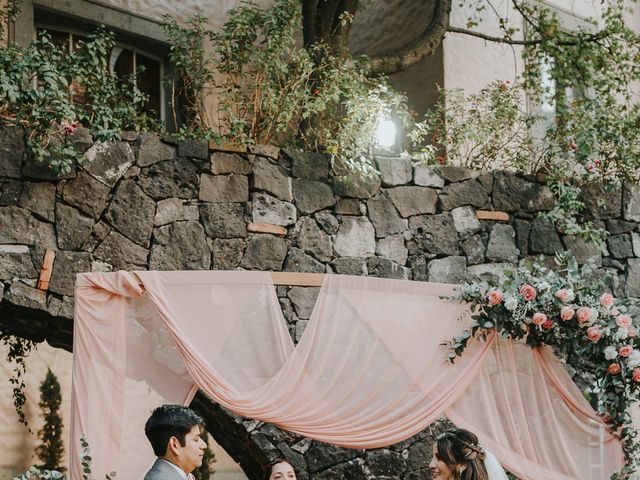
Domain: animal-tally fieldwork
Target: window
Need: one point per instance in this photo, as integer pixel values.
(140, 47)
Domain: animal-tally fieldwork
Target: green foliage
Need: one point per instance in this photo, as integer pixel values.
(39, 86)
(18, 350)
(51, 450)
(569, 310)
(204, 471)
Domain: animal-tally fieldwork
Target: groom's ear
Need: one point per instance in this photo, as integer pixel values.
(173, 445)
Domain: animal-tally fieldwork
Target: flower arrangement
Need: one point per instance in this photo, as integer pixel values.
(568, 309)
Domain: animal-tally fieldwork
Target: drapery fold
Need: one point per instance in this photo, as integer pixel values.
(370, 370)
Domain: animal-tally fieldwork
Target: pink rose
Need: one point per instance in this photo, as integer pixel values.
(594, 334)
(614, 312)
(625, 350)
(624, 321)
(632, 332)
(567, 313)
(528, 292)
(584, 314)
(548, 324)
(70, 127)
(539, 318)
(606, 299)
(495, 297)
(564, 295)
(614, 369)
(636, 375)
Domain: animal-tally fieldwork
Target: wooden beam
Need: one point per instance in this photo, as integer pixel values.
(297, 279)
(46, 270)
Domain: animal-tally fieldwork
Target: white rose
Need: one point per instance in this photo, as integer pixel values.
(633, 360)
(610, 352)
(511, 304)
(622, 333)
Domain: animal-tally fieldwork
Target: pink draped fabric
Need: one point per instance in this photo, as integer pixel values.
(369, 370)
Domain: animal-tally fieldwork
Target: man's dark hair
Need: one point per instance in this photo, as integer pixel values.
(170, 421)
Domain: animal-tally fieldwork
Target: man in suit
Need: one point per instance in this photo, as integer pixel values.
(174, 433)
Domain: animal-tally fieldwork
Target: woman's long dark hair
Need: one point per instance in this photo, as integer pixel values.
(267, 473)
(459, 449)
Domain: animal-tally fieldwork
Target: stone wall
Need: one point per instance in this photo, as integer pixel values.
(147, 203)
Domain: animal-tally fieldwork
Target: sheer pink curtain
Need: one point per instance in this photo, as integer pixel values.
(369, 371)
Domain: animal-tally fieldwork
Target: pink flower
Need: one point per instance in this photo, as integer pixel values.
(70, 127)
(548, 324)
(594, 334)
(636, 375)
(573, 146)
(567, 313)
(564, 295)
(624, 321)
(625, 350)
(528, 292)
(539, 318)
(632, 332)
(495, 297)
(584, 314)
(614, 369)
(606, 299)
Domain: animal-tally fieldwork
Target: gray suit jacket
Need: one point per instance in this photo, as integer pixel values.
(161, 470)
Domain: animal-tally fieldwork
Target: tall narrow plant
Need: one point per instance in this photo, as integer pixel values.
(51, 450)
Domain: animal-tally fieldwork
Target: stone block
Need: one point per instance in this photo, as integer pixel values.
(349, 206)
(224, 163)
(298, 261)
(468, 192)
(631, 202)
(355, 238)
(394, 170)
(489, 272)
(414, 200)
(633, 278)
(25, 229)
(362, 188)
(385, 268)
(10, 193)
(426, 176)
(620, 246)
(582, 250)
(73, 228)
(227, 253)
(447, 270)
(600, 203)
(40, 198)
(314, 240)
(224, 188)
(223, 220)
(193, 149)
(264, 252)
(168, 211)
(267, 150)
(11, 152)
(544, 238)
(22, 295)
(272, 179)
(171, 178)
(107, 161)
(15, 261)
(154, 150)
(132, 213)
(314, 166)
(384, 216)
(435, 234)
(303, 300)
(615, 227)
(392, 248)
(65, 268)
(473, 248)
(86, 194)
(180, 246)
(311, 195)
(350, 266)
(327, 221)
(454, 173)
(522, 228)
(267, 209)
(121, 253)
(635, 242)
(513, 193)
(465, 221)
(502, 245)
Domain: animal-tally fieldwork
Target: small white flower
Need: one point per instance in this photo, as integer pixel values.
(544, 286)
(511, 303)
(622, 333)
(633, 360)
(594, 315)
(610, 352)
